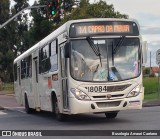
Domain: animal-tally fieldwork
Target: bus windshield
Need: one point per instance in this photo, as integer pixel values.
(117, 59)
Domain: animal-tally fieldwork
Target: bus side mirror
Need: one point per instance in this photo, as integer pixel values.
(144, 51)
(67, 50)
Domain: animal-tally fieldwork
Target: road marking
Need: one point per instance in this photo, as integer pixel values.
(2, 113)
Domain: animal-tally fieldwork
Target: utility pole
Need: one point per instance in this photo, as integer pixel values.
(29, 7)
(150, 63)
(158, 63)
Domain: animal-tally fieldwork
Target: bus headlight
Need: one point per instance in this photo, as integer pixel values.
(135, 91)
(79, 94)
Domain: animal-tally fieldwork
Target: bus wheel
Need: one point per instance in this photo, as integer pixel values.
(59, 116)
(27, 108)
(111, 115)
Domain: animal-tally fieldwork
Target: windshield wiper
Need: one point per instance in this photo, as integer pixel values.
(95, 49)
(119, 44)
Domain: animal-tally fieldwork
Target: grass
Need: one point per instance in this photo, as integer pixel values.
(8, 87)
(151, 88)
(153, 96)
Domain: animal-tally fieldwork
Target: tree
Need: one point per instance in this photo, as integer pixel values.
(21, 25)
(96, 10)
(40, 27)
(4, 41)
(4, 10)
(146, 71)
(11, 36)
(67, 5)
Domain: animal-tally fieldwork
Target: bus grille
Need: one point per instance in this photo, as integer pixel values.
(117, 88)
(112, 96)
(108, 104)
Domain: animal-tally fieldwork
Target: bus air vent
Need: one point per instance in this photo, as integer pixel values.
(117, 88)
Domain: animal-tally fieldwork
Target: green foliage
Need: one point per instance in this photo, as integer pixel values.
(68, 5)
(38, 32)
(153, 96)
(146, 71)
(96, 10)
(150, 84)
(4, 42)
(11, 36)
(4, 10)
(150, 88)
(40, 27)
(21, 25)
(20, 4)
(7, 87)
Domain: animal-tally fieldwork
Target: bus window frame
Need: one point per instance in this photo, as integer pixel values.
(55, 54)
(27, 69)
(48, 58)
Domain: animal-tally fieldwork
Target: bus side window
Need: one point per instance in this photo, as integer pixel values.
(53, 55)
(44, 65)
(26, 67)
(23, 68)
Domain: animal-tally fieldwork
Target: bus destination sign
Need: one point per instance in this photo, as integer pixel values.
(103, 28)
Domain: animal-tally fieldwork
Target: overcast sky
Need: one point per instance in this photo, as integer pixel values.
(147, 12)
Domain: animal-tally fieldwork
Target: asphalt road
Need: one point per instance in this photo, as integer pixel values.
(146, 119)
(14, 118)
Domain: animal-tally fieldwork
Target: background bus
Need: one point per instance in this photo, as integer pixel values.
(85, 66)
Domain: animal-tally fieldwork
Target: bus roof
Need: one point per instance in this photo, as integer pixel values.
(62, 29)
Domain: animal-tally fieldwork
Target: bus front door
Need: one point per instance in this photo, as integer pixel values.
(64, 80)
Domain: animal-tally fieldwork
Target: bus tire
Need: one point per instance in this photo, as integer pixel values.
(26, 104)
(111, 115)
(59, 116)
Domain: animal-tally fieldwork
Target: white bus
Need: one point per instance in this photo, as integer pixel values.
(85, 66)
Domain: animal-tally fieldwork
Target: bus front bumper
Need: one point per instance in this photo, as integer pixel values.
(79, 106)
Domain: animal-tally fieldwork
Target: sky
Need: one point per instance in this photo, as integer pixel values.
(147, 12)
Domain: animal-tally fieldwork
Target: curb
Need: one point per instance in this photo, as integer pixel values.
(150, 105)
